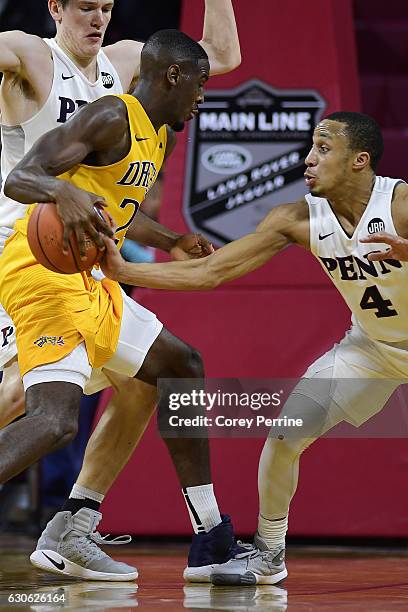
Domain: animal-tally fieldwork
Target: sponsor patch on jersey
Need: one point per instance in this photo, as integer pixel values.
(376, 225)
(53, 340)
(107, 80)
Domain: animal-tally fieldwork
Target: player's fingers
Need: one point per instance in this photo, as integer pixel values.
(95, 234)
(101, 224)
(65, 238)
(380, 237)
(80, 235)
(205, 244)
(380, 256)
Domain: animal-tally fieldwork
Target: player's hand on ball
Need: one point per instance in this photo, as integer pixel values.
(112, 263)
(78, 210)
(398, 247)
(191, 246)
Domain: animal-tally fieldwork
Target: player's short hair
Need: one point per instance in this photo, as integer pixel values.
(179, 46)
(363, 132)
(64, 3)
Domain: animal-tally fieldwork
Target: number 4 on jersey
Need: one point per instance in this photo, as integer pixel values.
(372, 298)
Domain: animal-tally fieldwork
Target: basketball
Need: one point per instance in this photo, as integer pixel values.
(45, 233)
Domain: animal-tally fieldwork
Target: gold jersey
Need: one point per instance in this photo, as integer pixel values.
(53, 313)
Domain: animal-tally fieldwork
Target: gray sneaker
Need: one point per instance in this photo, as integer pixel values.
(68, 545)
(259, 566)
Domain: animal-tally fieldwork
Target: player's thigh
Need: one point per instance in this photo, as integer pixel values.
(148, 351)
(138, 332)
(351, 378)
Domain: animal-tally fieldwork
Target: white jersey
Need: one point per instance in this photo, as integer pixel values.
(69, 91)
(376, 292)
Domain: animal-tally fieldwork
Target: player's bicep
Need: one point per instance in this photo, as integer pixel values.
(21, 53)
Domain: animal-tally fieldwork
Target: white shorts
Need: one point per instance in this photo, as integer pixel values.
(139, 329)
(357, 376)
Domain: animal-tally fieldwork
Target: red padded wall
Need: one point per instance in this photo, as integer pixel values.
(272, 323)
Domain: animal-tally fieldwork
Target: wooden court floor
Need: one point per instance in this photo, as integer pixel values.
(319, 579)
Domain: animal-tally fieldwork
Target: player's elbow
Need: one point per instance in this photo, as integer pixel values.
(11, 184)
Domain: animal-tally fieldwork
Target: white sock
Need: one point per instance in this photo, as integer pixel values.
(79, 492)
(202, 507)
(273, 531)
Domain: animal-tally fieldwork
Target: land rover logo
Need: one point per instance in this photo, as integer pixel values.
(226, 159)
(107, 80)
(246, 154)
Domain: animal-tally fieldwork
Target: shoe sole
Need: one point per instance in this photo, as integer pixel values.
(247, 579)
(39, 560)
(199, 574)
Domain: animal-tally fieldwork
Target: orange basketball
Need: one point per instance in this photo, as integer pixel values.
(45, 232)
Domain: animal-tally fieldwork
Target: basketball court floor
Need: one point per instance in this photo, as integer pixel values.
(319, 579)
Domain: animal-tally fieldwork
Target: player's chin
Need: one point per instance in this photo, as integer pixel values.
(178, 126)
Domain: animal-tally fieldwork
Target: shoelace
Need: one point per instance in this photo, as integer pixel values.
(98, 539)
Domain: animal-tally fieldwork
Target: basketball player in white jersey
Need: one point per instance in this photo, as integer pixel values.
(347, 203)
(44, 83)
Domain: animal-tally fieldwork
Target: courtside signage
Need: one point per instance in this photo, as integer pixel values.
(246, 154)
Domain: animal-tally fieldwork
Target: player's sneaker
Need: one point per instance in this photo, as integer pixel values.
(68, 545)
(259, 566)
(211, 549)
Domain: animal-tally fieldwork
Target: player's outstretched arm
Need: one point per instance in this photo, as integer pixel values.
(147, 232)
(220, 36)
(231, 261)
(94, 128)
(19, 52)
(220, 41)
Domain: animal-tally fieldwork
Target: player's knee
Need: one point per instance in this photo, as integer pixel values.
(287, 448)
(62, 431)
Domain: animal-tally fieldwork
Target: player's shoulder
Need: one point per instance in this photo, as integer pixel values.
(296, 211)
(125, 56)
(401, 191)
(107, 114)
(125, 51)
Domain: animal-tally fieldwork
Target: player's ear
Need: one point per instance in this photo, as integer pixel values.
(362, 160)
(55, 9)
(173, 74)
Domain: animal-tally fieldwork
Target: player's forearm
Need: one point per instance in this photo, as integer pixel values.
(175, 275)
(220, 36)
(232, 261)
(29, 186)
(147, 232)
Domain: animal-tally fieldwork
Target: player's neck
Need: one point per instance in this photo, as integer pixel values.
(87, 65)
(353, 196)
(153, 109)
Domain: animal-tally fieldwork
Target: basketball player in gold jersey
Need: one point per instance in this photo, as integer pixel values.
(114, 148)
(27, 66)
